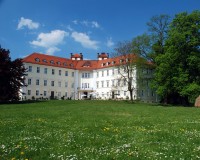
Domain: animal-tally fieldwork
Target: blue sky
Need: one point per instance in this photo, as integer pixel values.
(61, 27)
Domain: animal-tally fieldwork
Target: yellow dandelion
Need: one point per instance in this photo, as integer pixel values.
(22, 153)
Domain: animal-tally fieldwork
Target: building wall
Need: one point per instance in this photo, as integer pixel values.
(104, 83)
(61, 82)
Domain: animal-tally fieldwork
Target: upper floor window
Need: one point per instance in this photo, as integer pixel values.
(52, 83)
(53, 71)
(102, 73)
(97, 84)
(72, 74)
(66, 84)
(97, 74)
(29, 81)
(113, 72)
(66, 73)
(30, 68)
(38, 69)
(45, 82)
(45, 70)
(37, 81)
(59, 72)
(59, 84)
(107, 72)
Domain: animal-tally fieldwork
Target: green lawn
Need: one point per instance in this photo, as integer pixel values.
(98, 130)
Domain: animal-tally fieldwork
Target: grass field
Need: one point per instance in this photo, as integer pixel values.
(98, 130)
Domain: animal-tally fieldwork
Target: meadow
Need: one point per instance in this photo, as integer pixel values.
(99, 130)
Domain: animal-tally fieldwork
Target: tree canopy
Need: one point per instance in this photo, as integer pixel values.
(11, 77)
(177, 78)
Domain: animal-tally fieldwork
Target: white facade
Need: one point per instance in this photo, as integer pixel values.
(46, 81)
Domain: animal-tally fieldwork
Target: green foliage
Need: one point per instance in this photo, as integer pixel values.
(11, 77)
(177, 71)
(98, 130)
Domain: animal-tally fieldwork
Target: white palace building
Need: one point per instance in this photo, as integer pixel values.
(50, 77)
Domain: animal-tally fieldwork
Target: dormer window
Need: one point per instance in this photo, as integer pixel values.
(71, 65)
(44, 60)
(58, 62)
(37, 59)
(113, 62)
(51, 61)
(64, 64)
(121, 60)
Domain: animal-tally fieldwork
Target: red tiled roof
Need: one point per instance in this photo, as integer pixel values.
(48, 60)
(76, 55)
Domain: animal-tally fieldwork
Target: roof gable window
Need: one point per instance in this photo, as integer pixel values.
(37, 59)
(64, 64)
(58, 63)
(44, 60)
(51, 61)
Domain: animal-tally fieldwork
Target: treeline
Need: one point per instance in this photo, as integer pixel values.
(173, 47)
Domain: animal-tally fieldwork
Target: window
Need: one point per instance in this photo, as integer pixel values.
(118, 70)
(52, 83)
(118, 93)
(107, 72)
(45, 93)
(124, 82)
(37, 59)
(52, 62)
(97, 74)
(72, 74)
(53, 71)
(37, 82)
(44, 60)
(64, 64)
(45, 70)
(88, 75)
(102, 83)
(113, 82)
(113, 72)
(65, 94)
(124, 93)
(59, 94)
(97, 84)
(38, 69)
(29, 92)
(58, 62)
(66, 84)
(29, 81)
(59, 84)
(102, 94)
(37, 92)
(66, 73)
(83, 75)
(59, 72)
(107, 83)
(72, 85)
(107, 94)
(45, 82)
(30, 68)
(102, 73)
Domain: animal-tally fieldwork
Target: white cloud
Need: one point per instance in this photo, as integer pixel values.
(92, 24)
(95, 24)
(85, 40)
(52, 50)
(109, 43)
(27, 23)
(50, 40)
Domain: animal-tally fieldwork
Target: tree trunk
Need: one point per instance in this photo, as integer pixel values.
(131, 95)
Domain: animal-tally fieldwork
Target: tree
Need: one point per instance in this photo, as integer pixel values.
(127, 66)
(177, 73)
(11, 77)
(158, 27)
